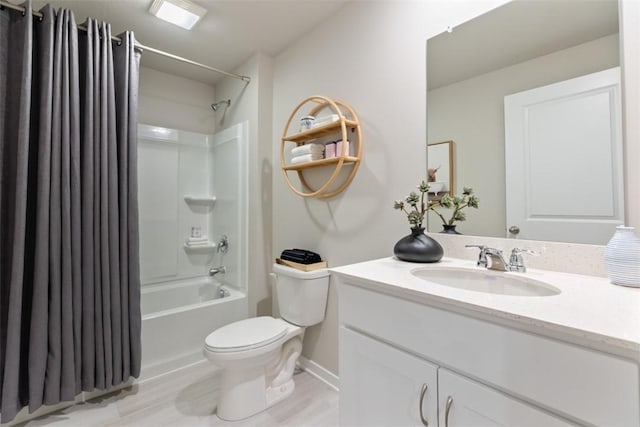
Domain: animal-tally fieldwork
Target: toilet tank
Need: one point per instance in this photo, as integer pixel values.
(302, 295)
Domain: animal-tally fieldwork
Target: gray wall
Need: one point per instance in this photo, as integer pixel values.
(371, 55)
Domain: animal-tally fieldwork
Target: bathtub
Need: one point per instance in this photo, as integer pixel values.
(178, 315)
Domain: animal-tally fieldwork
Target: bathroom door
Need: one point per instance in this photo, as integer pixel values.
(563, 154)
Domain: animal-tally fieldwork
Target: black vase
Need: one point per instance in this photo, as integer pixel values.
(418, 247)
(449, 229)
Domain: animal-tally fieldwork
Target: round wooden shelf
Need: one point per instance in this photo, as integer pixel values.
(347, 119)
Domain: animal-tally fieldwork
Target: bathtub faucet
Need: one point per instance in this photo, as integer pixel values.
(215, 270)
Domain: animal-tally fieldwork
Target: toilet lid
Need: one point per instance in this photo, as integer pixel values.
(246, 334)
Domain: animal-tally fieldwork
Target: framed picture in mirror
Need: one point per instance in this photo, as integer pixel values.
(440, 169)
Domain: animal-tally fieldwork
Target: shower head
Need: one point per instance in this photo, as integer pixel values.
(217, 105)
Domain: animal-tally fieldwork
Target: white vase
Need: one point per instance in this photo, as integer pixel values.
(622, 257)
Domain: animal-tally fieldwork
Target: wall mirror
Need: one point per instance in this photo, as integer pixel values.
(522, 46)
(440, 169)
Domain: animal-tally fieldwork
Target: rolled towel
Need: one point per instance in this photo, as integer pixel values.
(308, 149)
(306, 158)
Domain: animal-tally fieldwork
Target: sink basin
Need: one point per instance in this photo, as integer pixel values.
(493, 282)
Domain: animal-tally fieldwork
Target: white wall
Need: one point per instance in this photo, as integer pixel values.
(371, 55)
(175, 102)
(252, 102)
(471, 113)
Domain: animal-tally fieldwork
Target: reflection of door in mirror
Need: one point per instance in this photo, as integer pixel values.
(519, 46)
(440, 169)
(563, 156)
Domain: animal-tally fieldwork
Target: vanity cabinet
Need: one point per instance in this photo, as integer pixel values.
(464, 402)
(495, 374)
(381, 385)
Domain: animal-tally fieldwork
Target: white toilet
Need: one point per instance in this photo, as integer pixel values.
(258, 355)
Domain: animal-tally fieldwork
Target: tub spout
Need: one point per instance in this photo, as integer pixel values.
(215, 270)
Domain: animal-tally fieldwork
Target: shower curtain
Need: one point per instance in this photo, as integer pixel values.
(69, 271)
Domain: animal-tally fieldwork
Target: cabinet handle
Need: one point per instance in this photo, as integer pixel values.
(447, 408)
(423, 391)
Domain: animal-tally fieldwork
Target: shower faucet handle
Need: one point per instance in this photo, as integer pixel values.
(223, 244)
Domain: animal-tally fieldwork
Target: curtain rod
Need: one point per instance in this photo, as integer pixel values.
(139, 46)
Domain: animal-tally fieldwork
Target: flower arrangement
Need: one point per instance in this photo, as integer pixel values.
(415, 206)
(415, 214)
(458, 203)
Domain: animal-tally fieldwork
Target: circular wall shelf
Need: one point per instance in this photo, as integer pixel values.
(347, 119)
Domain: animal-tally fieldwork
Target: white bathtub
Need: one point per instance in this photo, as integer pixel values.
(177, 316)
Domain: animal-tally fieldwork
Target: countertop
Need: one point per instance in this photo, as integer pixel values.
(589, 309)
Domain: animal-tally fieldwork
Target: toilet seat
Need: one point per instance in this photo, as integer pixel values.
(247, 334)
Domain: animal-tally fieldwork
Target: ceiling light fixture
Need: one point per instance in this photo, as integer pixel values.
(182, 13)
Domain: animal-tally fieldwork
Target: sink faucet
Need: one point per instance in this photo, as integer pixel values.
(496, 259)
(493, 259)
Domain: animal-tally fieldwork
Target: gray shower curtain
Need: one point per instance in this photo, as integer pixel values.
(69, 271)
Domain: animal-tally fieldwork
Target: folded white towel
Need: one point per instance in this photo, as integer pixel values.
(308, 149)
(306, 158)
(191, 242)
(319, 121)
(202, 238)
(197, 244)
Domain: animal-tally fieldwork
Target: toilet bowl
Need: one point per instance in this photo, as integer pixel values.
(258, 355)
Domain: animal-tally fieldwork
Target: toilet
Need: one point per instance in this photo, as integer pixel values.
(258, 355)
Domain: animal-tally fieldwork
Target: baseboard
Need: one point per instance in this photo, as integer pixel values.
(321, 373)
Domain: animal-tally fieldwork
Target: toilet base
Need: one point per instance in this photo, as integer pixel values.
(276, 394)
(249, 388)
(247, 395)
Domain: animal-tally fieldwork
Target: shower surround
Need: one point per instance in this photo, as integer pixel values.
(190, 181)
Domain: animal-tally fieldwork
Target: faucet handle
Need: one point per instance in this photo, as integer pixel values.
(516, 262)
(533, 252)
(223, 244)
(482, 257)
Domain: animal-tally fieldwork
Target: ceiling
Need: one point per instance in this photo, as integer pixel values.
(516, 32)
(230, 32)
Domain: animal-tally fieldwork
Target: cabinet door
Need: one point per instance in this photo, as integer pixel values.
(473, 404)
(381, 385)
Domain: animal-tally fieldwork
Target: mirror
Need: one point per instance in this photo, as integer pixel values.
(520, 46)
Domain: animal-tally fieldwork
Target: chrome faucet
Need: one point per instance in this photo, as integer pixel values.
(493, 259)
(215, 270)
(496, 259)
